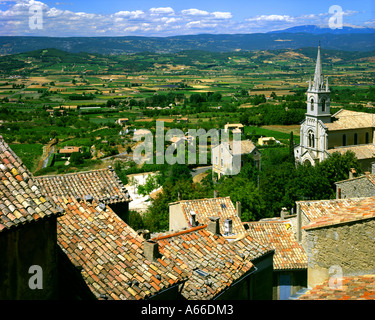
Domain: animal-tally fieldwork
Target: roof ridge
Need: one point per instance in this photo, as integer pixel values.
(179, 233)
(71, 173)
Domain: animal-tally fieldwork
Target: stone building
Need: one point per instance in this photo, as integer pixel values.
(338, 238)
(226, 160)
(28, 237)
(323, 134)
(356, 187)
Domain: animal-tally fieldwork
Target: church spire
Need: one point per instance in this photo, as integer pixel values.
(318, 76)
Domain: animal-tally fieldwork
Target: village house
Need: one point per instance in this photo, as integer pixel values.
(225, 158)
(219, 269)
(356, 186)
(107, 260)
(337, 236)
(266, 141)
(290, 259)
(28, 233)
(102, 186)
(235, 127)
(122, 121)
(191, 213)
(68, 150)
(323, 134)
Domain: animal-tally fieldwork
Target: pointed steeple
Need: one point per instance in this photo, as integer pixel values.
(318, 76)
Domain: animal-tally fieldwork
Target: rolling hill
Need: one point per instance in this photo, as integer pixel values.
(296, 38)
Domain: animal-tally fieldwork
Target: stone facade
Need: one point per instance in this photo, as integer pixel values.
(344, 248)
(355, 188)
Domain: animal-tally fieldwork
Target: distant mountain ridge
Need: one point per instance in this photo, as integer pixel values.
(321, 30)
(294, 38)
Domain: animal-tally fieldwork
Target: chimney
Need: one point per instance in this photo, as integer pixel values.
(216, 193)
(89, 198)
(238, 208)
(151, 250)
(179, 196)
(144, 233)
(213, 226)
(228, 227)
(284, 212)
(299, 223)
(193, 219)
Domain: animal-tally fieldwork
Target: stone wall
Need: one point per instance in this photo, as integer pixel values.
(355, 188)
(346, 248)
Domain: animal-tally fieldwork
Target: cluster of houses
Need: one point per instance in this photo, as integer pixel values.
(68, 236)
(74, 230)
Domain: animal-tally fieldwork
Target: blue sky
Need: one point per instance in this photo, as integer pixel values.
(167, 17)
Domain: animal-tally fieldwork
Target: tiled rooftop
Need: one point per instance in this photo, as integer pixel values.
(279, 235)
(221, 261)
(111, 253)
(21, 200)
(247, 146)
(221, 207)
(351, 288)
(317, 209)
(103, 185)
(359, 209)
(346, 119)
(365, 151)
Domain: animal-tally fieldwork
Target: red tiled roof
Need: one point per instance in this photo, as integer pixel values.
(315, 210)
(103, 185)
(350, 288)
(279, 235)
(359, 209)
(111, 253)
(221, 207)
(21, 200)
(223, 262)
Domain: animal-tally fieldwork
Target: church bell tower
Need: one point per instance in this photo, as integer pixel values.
(318, 95)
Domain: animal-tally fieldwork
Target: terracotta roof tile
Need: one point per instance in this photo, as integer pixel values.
(111, 257)
(103, 185)
(332, 212)
(21, 199)
(349, 288)
(211, 262)
(221, 207)
(279, 235)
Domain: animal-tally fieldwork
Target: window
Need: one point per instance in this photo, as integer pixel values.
(216, 161)
(311, 139)
(356, 138)
(344, 139)
(367, 138)
(312, 104)
(222, 163)
(323, 105)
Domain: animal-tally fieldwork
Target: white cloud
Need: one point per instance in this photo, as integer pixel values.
(157, 21)
(222, 15)
(272, 17)
(161, 11)
(194, 12)
(129, 14)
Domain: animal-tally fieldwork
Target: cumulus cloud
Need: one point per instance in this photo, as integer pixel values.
(157, 21)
